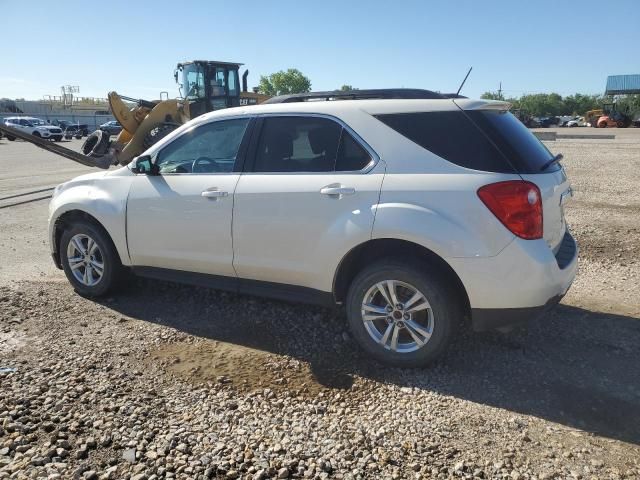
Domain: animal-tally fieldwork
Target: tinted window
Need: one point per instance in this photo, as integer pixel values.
(297, 144)
(351, 155)
(523, 149)
(209, 148)
(450, 135)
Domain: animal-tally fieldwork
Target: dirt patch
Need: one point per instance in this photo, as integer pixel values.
(247, 369)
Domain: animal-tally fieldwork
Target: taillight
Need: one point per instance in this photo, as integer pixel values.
(517, 204)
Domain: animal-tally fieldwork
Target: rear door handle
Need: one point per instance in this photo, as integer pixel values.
(214, 193)
(337, 190)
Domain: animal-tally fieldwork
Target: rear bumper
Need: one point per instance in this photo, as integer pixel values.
(483, 319)
(518, 284)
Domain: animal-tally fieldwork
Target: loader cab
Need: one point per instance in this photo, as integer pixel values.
(208, 85)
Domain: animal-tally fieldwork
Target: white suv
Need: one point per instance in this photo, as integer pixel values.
(415, 214)
(34, 126)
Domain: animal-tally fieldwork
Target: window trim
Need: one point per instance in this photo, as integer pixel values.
(255, 138)
(240, 157)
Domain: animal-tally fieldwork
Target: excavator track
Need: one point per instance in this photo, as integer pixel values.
(49, 146)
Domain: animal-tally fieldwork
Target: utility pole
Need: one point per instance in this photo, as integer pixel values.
(500, 92)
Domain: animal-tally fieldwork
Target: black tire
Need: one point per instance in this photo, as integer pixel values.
(445, 308)
(96, 145)
(37, 134)
(10, 138)
(158, 133)
(113, 270)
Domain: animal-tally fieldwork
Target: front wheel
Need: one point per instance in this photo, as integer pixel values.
(89, 259)
(401, 315)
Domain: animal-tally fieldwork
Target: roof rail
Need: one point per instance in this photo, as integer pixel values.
(381, 93)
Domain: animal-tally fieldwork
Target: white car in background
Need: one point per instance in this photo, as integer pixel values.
(34, 126)
(416, 215)
(577, 122)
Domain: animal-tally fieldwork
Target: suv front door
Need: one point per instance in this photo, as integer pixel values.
(180, 219)
(304, 200)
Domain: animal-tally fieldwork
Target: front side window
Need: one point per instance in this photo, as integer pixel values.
(209, 148)
(307, 144)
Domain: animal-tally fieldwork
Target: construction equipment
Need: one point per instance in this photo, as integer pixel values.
(205, 86)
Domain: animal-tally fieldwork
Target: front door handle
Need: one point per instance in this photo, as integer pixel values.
(338, 190)
(214, 193)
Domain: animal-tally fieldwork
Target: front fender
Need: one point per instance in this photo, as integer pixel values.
(102, 197)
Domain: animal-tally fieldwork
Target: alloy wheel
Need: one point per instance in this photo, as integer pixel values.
(85, 259)
(397, 316)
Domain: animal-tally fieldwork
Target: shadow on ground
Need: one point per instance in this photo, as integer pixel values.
(576, 367)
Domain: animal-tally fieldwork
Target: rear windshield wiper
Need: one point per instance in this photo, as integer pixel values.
(555, 159)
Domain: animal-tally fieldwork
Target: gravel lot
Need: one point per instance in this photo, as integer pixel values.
(167, 381)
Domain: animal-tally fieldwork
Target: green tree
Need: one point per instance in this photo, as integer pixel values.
(492, 96)
(347, 88)
(284, 83)
(629, 104)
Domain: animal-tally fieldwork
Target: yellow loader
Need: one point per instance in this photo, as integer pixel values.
(205, 86)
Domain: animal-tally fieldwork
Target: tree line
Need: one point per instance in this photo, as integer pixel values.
(538, 104)
(554, 104)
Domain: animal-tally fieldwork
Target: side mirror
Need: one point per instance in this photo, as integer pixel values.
(145, 165)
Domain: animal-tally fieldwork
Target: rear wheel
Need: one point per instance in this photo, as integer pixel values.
(10, 138)
(620, 124)
(89, 259)
(401, 315)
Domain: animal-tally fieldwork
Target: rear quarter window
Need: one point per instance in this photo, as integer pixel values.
(486, 140)
(450, 135)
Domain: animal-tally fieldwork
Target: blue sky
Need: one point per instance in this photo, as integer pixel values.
(132, 46)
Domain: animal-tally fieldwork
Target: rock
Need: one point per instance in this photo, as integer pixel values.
(283, 472)
(129, 455)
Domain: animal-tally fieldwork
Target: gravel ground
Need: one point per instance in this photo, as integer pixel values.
(167, 381)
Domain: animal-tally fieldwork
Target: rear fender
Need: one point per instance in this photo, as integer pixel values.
(442, 213)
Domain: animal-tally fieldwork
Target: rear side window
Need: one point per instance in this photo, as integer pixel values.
(450, 135)
(523, 149)
(307, 144)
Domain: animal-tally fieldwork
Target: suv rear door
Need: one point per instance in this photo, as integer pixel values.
(305, 199)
